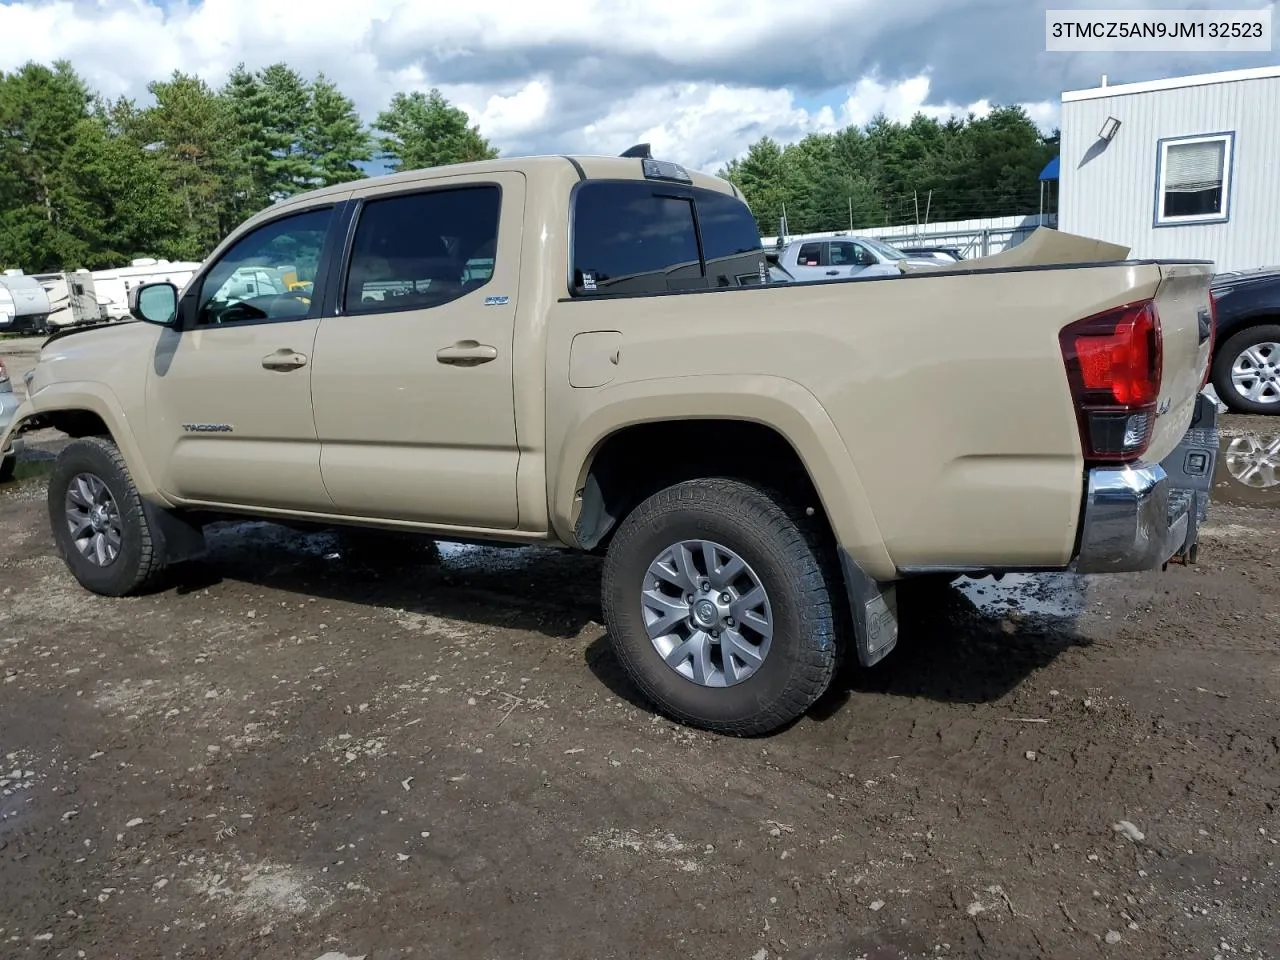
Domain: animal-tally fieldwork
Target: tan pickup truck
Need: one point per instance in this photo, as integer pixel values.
(590, 352)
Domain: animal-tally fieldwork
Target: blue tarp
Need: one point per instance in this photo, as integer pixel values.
(1050, 171)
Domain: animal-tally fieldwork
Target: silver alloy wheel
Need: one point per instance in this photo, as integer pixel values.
(93, 519)
(1254, 462)
(707, 613)
(1255, 374)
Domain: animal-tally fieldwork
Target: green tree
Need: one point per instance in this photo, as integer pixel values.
(41, 110)
(193, 134)
(335, 141)
(249, 111)
(271, 111)
(424, 130)
(761, 176)
(115, 211)
(290, 169)
(894, 173)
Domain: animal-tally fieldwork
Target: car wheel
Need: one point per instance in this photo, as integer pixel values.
(1246, 370)
(99, 524)
(719, 606)
(7, 466)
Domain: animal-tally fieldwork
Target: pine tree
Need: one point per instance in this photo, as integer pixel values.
(335, 141)
(425, 130)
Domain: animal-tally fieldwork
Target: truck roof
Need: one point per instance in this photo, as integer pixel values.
(588, 167)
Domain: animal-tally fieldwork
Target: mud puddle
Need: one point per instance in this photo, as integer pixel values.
(1052, 595)
(1248, 468)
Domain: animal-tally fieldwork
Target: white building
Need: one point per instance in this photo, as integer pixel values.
(1176, 168)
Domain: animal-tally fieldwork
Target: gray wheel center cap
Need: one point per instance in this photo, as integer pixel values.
(704, 611)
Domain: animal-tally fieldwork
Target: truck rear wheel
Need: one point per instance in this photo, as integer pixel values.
(99, 524)
(719, 607)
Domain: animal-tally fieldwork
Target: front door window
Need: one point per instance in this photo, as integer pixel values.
(268, 274)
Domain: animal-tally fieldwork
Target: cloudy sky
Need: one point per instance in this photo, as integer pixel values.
(699, 80)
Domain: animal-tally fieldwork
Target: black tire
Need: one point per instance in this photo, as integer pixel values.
(7, 466)
(1225, 357)
(791, 564)
(139, 562)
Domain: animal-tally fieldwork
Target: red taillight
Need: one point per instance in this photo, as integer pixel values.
(1114, 362)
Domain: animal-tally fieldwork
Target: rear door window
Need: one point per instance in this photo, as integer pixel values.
(810, 255)
(634, 237)
(730, 239)
(421, 250)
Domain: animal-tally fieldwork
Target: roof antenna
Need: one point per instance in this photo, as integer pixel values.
(640, 150)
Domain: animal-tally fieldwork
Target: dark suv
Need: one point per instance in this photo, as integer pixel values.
(1246, 355)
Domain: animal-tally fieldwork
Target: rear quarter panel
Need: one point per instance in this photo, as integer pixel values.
(1181, 296)
(946, 393)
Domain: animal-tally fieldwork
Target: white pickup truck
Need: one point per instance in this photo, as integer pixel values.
(830, 258)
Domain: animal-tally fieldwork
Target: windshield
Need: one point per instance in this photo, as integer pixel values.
(886, 251)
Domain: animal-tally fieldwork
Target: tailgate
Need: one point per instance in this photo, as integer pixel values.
(1186, 327)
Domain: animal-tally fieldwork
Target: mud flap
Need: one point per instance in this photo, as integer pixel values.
(178, 538)
(1190, 468)
(874, 609)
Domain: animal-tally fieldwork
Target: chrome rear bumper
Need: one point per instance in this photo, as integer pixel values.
(1142, 516)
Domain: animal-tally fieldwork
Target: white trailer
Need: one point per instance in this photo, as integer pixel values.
(72, 299)
(113, 285)
(24, 304)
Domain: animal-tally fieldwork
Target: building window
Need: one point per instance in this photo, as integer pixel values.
(1193, 180)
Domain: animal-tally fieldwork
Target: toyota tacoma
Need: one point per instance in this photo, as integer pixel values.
(588, 352)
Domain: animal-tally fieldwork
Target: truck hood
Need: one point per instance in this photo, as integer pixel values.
(84, 328)
(93, 353)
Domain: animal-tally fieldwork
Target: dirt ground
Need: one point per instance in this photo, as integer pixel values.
(295, 752)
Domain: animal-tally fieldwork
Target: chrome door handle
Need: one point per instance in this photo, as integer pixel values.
(467, 353)
(284, 359)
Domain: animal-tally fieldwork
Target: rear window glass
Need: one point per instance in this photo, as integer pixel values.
(633, 237)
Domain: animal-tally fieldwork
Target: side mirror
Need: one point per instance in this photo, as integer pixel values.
(155, 303)
(868, 259)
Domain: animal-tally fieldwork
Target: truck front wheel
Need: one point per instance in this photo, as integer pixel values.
(99, 524)
(719, 607)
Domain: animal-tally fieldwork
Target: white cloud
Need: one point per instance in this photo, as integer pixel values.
(903, 100)
(519, 114)
(700, 81)
(702, 125)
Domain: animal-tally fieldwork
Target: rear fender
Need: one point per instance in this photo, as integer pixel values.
(783, 405)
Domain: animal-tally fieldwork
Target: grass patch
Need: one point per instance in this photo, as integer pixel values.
(29, 470)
